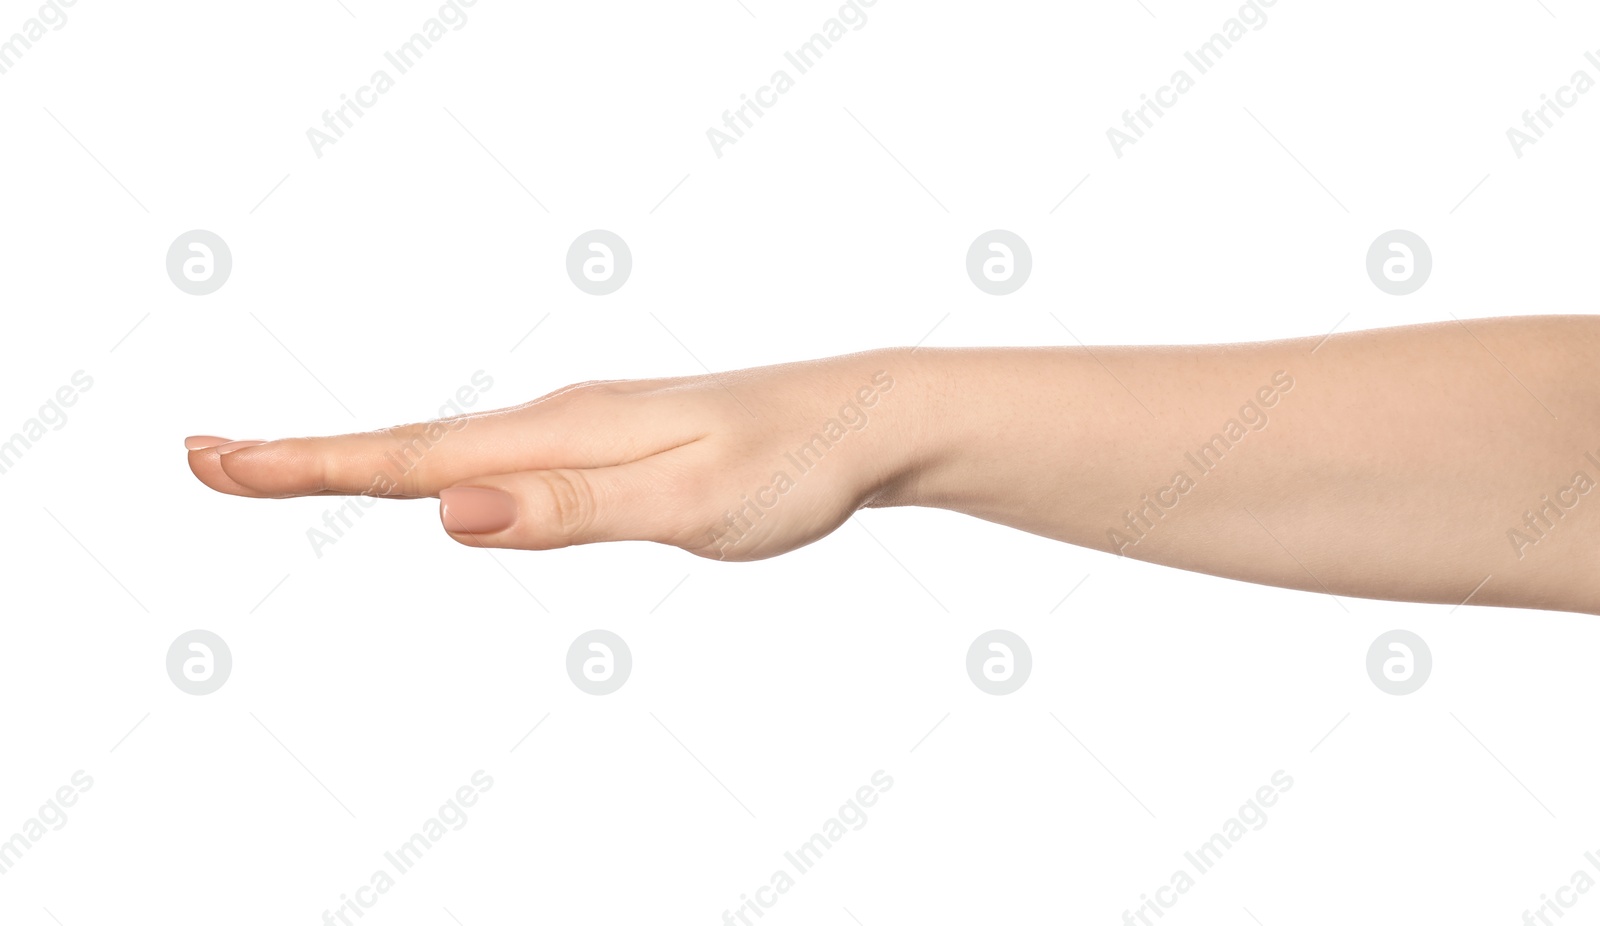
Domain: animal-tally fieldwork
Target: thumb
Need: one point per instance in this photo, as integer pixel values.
(552, 508)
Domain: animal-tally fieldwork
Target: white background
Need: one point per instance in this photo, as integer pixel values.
(763, 695)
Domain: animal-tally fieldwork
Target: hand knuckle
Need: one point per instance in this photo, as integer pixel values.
(571, 501)
(691, 503)
(407, 465)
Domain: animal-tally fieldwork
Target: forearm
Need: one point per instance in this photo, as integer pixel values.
(1389, 464)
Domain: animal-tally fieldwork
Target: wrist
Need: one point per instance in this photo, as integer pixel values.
(919, 454)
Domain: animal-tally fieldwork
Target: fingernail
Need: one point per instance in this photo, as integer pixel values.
(472, 510)
(202, 441)
(233, 445)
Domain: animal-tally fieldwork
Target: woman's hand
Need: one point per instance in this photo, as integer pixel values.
(736, 466)
(1405, 463)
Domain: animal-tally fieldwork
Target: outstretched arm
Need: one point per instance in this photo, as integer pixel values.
(1407, 463)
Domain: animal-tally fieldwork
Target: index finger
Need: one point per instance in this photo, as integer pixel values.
(418, 460)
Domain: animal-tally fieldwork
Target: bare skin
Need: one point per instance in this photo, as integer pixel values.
(1404, 463)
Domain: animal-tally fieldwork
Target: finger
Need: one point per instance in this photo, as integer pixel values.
(416, 461)
(205, 461)
(206, 464)
(549, 509)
